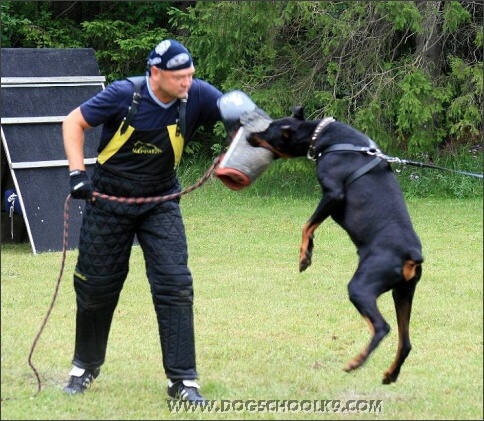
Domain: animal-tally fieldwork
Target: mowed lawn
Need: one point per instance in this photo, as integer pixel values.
(265, 332)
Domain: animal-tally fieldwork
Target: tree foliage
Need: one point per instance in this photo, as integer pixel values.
(409, 73)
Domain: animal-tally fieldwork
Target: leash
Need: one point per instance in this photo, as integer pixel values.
(374, 151)
(129, 200)
(56, 292)
(399, 161)
(156, 199)
(370, 150)
(422, 165)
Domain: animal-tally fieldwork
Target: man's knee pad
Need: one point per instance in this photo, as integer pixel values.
(95, 292)
(175, 288)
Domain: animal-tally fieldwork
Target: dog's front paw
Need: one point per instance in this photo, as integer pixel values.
(305, 259)
(304, 264)
(306, 252)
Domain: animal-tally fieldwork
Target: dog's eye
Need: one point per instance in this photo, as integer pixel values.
(286, 131)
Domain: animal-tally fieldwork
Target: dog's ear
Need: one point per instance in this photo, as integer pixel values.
(298, 112)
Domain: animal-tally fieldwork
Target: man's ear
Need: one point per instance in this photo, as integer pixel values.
(298, 112)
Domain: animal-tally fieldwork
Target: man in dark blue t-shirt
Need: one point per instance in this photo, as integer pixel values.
(138, 157)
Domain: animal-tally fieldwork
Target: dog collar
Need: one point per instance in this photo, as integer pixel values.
(317, 131)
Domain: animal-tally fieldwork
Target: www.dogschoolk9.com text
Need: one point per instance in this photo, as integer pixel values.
(326, 406)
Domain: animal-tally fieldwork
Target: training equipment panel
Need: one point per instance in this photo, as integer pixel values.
(39, 87)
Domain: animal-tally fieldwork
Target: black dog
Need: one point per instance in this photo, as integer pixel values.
(361, 193)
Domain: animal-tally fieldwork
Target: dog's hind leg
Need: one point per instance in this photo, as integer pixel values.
(364, 296)
(402, 297)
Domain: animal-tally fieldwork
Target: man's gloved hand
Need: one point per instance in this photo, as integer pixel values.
(81, 187)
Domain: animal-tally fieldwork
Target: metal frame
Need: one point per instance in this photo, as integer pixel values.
(69, 80)
(40, 82)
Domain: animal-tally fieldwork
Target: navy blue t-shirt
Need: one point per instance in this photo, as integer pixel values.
(148, 149)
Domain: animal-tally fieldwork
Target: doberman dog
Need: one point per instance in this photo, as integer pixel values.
(362, 195)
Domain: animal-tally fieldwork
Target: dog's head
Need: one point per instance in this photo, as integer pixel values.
(287, 137)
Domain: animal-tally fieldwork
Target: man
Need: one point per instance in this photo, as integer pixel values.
(137, 158)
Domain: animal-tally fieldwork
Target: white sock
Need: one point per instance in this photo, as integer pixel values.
(77, 371)
(188, 383)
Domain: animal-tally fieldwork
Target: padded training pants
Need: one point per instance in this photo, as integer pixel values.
(107, 234)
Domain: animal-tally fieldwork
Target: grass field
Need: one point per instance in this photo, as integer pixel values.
(264, 330)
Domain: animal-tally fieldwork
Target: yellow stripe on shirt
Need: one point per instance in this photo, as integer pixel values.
(177, 143)
(115, 144)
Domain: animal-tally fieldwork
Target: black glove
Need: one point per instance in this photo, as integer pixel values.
(81, 187)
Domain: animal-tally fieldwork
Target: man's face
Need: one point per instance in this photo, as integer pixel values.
(172, 83)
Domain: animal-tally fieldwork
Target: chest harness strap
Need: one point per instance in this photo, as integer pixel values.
(137, 82)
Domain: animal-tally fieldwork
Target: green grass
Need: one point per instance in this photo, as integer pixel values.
(264, 330)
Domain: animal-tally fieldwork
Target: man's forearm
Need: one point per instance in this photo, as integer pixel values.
(73, 134)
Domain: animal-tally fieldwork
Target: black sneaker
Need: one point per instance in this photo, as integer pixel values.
(80, 379)
(186, 390)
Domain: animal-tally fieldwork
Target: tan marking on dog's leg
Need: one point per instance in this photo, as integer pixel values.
(304, 243)
(403, 321)
(356, 362)
(306, 249)
(363, 355)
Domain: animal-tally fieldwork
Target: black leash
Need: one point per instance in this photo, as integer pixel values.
(374, 151)
(130, 200)
(422, 165)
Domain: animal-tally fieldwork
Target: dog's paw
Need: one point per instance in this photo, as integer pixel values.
(304, 264)
(356, 362)
(305, 254)
(390, 377)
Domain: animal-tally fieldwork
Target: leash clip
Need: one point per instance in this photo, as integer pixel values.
(395, 159)
(377, 152)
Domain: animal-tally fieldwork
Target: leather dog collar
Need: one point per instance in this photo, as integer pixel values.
(317, 131)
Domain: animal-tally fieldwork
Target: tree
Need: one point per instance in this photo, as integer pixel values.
(409, 73)
(388, 67)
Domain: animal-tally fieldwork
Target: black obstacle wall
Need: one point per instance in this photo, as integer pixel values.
(39, 87)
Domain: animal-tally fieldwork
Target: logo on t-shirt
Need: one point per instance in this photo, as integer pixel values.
(143, 148)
